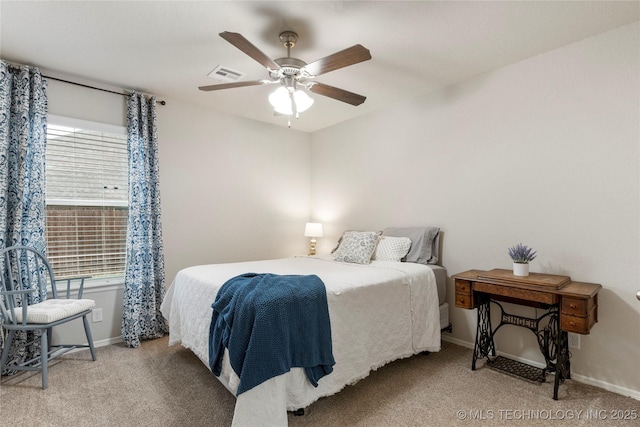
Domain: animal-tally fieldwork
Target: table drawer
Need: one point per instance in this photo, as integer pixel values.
(579, 324)
(577, 306)
(464, 301)
(574, 324)
(464, 295)
(463, 287)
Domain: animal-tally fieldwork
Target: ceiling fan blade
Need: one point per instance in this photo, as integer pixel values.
(336, 93)
(344, 58)
(232, 85)
(245, 45)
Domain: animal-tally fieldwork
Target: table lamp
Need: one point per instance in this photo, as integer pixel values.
(313, 230)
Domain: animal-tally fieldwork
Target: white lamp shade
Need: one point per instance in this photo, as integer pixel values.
(280, 99)
(303, 102)
(313, 229)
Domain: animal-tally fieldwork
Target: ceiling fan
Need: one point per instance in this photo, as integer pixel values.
(293, 73)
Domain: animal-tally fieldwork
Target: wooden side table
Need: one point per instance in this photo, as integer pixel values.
(569, 307)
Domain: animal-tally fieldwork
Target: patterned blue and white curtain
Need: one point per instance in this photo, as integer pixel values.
(23, 130)
(144, 272)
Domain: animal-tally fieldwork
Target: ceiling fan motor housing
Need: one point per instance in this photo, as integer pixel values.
(290, 67)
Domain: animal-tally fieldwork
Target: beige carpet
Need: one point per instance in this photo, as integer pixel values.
(157, 385)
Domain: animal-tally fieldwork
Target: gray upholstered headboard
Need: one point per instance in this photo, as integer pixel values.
(437, 247)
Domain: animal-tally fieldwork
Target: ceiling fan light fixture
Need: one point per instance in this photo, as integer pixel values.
(281, 100)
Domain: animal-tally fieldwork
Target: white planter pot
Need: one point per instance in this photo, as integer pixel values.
(520, 269)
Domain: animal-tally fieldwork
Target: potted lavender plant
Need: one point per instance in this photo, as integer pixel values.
(521, 256)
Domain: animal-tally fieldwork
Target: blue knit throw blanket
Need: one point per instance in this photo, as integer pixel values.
(271, 323)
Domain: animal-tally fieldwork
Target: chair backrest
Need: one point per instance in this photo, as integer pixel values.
(23, 268)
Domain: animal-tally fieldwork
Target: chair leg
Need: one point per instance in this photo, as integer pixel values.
(44, 358)
(87, 332)
(5, 351)
(49, 338)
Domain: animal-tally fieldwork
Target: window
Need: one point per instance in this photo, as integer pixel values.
(86, 196)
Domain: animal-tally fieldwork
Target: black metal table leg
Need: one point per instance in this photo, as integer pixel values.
(484, 334)
(563, 367)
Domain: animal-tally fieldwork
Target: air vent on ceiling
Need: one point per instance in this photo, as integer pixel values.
(225, 74)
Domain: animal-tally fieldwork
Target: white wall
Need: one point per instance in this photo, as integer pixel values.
(79, 102)
(543, 152)
(232, 189)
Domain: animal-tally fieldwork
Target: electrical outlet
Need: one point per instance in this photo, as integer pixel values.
(96, 315)
(574, 340)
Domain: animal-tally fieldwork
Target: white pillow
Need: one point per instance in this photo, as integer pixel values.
(357, 247)
(392, 248)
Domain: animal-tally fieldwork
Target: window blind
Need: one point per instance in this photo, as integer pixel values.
(87, 195)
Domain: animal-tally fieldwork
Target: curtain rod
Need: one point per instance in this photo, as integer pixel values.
(93, 87)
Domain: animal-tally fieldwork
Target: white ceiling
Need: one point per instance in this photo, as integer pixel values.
(167, 48)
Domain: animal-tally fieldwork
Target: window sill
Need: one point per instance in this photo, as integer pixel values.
(101, 285)
(91, 286)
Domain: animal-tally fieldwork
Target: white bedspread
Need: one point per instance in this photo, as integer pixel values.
(379, 313)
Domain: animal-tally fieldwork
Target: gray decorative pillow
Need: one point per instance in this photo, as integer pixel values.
(357, 247)
(391, 248)
(422, 242)
(333, 251)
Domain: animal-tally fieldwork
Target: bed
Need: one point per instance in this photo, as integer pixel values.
(380, 311)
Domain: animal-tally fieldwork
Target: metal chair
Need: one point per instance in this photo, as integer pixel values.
(26, 274)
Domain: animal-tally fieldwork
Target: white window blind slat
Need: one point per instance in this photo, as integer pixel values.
(87, 193)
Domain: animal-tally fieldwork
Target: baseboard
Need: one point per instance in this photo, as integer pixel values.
(457, 341)
(634, 394)
(108, 341)
(100, 343)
